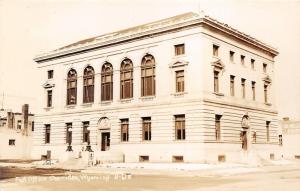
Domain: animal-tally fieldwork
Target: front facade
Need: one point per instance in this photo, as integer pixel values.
(186, 88)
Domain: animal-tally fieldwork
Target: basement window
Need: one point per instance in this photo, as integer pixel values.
(177, 159)
(11, 142)
(221, 158)
(144, 158)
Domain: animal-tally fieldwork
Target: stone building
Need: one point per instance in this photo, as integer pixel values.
(186, 88)
(16, 134)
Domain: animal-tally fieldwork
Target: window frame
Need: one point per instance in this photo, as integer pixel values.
(268, 131)
(252, 64)
(124, 79)
(146, 129)
(47, 133)
(180, 81)
(218, 127)
(88, 89)
(107, 82)
(50, 74)
(72, 87)
(124, 123)
(49, 98)
(216, 81)
(12, 142)
(69, 133)
(180, 130)
(85, 132)
(266, 86)
(179, 49)
(148, 81)
(231, 56)
(215, 50)
(253, 88)
(243, 85)
(232, 84)
(243, 59)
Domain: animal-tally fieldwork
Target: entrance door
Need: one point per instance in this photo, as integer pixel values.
(105, 141)
(244, 140)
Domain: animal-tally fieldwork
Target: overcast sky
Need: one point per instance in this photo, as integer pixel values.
(33, 26)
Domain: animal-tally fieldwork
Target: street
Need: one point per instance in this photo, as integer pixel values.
(284, 177)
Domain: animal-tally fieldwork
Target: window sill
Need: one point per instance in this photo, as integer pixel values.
(218, 94)
(147, 98)
(179, 140)
(108, 102)
(71, 106)
(87, 104)
(126, 100)
(179, 56)
(48, 108)
(179, 94)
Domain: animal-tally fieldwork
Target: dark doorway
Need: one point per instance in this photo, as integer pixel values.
(244, 140)
(105, 141)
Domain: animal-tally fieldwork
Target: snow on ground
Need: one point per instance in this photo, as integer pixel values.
(170, 166)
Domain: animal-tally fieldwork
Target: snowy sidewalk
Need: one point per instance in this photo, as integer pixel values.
(173, 169)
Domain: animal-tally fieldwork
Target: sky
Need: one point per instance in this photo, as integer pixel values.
(30, 27)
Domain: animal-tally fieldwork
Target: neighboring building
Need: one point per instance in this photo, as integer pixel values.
(290, 138)
(186, 88)
(16, 134)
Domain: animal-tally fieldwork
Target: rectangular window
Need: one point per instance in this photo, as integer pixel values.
(148, 79)
(242, 59)
(177, 159)
(124, 130)
(231, 56)
(69, 133)
(216, 81)
(11, 142)
(32, 126)
(232, 85)
(180, 127)
(268, 130)
(254, 137)
(218, 127)
(85, 132)
(179, 49)
(49, 98)
(146, 128)
(280, 140)
(19, 124)
(215, 50)
(252, 64)
(180, 81)
(88, 89)
(264, 67)
(144, 158)
(50, 74)
(266, 93)
(253, 90)
(243, 84)
(47, 133)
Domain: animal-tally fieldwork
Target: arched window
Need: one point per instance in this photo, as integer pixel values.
(126, 79)
(72, 87)
(148, 75)
(88, 84)
(107, 82)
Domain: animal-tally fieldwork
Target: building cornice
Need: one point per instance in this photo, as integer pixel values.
(151, 30)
